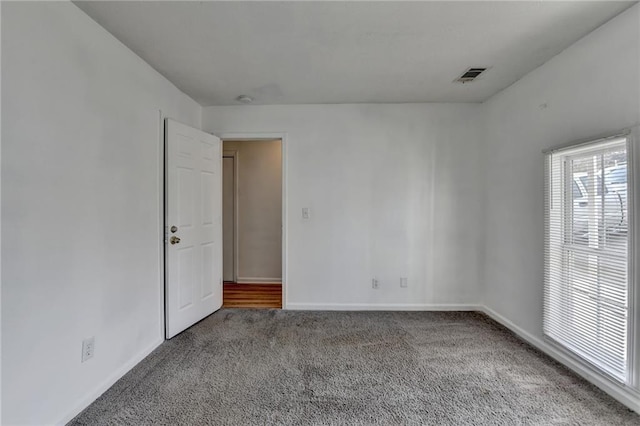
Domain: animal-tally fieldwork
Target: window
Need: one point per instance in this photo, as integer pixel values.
(586, 306)
(617, 175)
(577, 192)
(585, 183)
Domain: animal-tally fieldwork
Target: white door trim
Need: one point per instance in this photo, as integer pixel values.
(236, 253)
(161, 224)
(258, 136)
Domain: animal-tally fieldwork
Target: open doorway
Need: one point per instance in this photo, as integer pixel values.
(252, 197)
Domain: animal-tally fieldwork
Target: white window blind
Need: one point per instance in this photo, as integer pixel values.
(586, 300)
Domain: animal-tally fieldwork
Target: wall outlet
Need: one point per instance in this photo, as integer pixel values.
(88, 347)
(306, 213)
(404, 282)
(375, 284)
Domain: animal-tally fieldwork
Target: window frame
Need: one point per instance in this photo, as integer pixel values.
(633, 222)
(632, 376)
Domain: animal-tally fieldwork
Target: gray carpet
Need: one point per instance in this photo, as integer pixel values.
(255, 367)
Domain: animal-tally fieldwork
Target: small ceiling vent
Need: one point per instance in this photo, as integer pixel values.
(470, 75)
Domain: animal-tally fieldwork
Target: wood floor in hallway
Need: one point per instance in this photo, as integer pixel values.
(252, 295)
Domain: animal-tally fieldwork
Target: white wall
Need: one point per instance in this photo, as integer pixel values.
(591, 88)
(259, 224)
(394, 190)
(0, 221)
(80, 208)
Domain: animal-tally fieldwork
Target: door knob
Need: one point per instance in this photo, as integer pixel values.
(174, 240)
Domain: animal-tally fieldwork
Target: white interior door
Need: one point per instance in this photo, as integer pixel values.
(193, 246)
(228, 218)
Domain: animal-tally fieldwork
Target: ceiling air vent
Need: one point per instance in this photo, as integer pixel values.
(470, 75)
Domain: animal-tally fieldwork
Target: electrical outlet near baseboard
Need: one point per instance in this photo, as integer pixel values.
(88, 347)
(375, 284)
(404, 282)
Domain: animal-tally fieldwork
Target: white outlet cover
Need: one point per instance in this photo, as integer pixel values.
(404, 282)
(88, 348)
(306, 213)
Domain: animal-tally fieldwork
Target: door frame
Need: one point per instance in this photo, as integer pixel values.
(233, 154)
(269, 136)
(162, 232)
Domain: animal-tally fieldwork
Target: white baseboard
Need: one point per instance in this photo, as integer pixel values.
(255, 280)
(621, 393)
(105, 385)
(381, 307)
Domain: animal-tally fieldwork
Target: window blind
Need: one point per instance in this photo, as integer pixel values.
(586, 298)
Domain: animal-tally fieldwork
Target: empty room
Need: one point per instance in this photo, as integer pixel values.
(320, 213)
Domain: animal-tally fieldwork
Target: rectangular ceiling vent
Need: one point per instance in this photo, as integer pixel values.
(470, 75)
